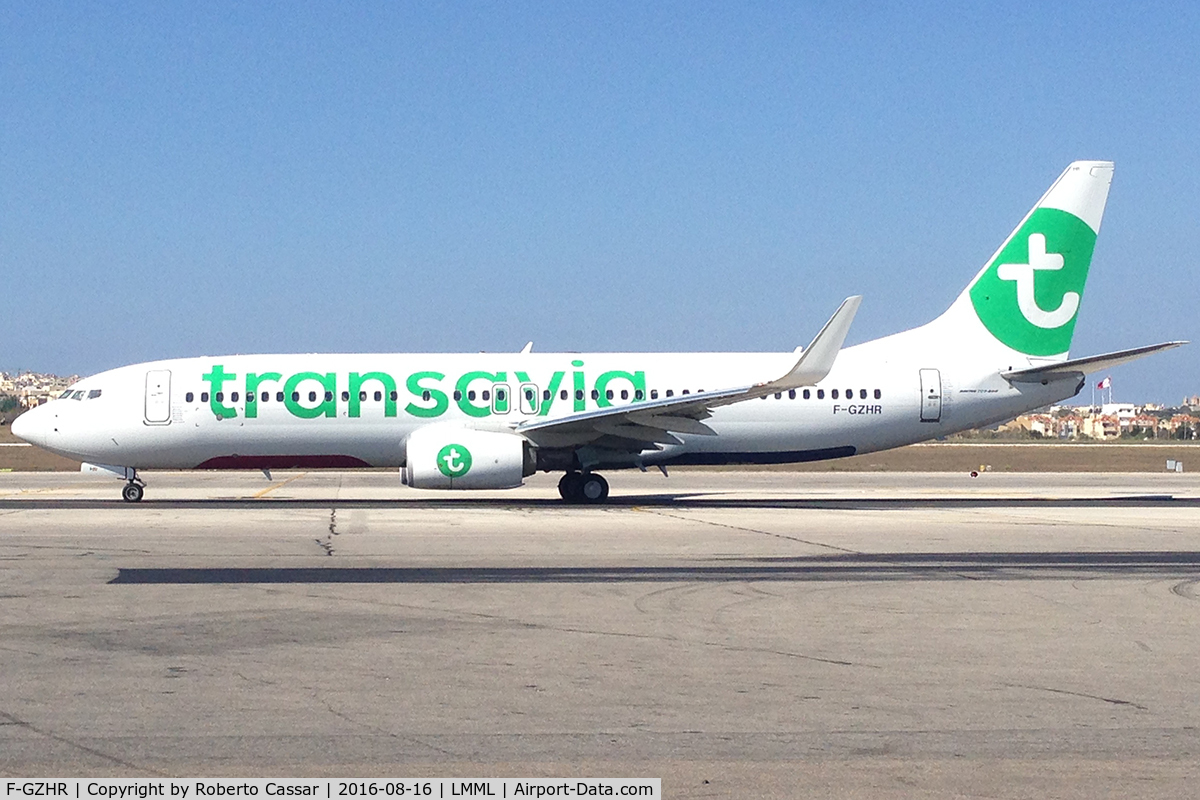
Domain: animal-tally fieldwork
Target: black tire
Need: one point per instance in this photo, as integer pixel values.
(593, 488)
(569, 487)
(132, 493)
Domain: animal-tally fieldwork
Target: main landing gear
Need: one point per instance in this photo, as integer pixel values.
(133, 491)
(585, 487)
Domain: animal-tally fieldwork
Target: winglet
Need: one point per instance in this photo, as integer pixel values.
(817, 359)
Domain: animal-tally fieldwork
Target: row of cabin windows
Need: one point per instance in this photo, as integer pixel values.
(487, 395)
(266, 396)
(833, 394)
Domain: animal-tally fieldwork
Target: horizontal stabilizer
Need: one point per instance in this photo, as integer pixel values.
(1078, 366)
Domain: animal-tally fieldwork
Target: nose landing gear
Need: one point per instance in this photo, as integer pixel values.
(586, 487)
(133, 491)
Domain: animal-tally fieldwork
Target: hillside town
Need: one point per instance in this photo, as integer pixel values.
(24, 390)
(1107, 422)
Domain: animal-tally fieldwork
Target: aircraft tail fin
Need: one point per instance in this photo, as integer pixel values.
(1028, 294)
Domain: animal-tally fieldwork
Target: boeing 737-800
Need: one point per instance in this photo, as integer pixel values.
(489, 420)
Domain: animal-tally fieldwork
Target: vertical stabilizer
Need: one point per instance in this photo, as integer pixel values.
(1028, 295)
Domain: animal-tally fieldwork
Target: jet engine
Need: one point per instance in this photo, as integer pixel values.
(453, 457)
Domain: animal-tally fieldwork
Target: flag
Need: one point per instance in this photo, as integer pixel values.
(1105, 384)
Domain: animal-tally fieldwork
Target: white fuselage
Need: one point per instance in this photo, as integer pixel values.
(168, 415)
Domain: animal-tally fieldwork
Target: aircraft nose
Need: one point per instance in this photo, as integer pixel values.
(29, 426)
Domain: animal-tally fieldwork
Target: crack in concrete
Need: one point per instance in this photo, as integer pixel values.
(1084, 695)
(748, 530)
(326, 542)
(376, 729)
(9, 719)
(594, 632)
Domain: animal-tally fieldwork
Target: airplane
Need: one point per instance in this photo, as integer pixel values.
(490, 420)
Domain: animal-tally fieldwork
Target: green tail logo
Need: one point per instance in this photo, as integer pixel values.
(1029, 296)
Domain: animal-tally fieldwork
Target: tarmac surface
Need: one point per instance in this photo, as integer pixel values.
(736, 634)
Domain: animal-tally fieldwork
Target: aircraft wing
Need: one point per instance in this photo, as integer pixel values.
(650, 423)
(1083, 366)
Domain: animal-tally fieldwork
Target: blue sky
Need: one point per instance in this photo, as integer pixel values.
(179, 180)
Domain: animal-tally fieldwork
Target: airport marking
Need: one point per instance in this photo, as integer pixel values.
(280, 485)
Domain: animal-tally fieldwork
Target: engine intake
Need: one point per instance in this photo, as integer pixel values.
(452, 457)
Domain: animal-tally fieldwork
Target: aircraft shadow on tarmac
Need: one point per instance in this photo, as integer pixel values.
(679, 501)
(1183, 566)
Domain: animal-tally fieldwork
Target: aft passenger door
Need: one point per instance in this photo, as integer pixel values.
(158, 397)
(931, 395)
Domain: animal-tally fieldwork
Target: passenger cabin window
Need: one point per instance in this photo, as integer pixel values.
(579, 394)
(393, 395)
(204, 397)
(266, 396)
(546, 394)
(608, 394)
(862, 394)
(457, 395)
(833, 393)
(624, 394)
(595, 394)
(821, 394)
(807, 394)
(220, 397)
(425, 395)
(687, 391)
(654, 394)
(486, 394)
(878, 394)
(670, 392)
(562, 395)
(189, 397)
(791, 394)
(379, 396)
(295, 397)
(328, 396)
(250, 398)
(779, 395)
(233, 397)
(279, 397)
(638, 394)
(470, 394)
(345, 397)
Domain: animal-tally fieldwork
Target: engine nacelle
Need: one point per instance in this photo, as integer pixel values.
(452, 457)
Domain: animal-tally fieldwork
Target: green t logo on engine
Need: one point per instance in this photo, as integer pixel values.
(454, 460)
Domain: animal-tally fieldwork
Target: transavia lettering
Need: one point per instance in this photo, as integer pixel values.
(425, 394)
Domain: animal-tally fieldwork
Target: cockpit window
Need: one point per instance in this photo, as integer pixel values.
(94, 393)
(77, 395)
(65, 395)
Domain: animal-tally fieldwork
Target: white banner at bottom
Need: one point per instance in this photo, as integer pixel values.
(330, 788)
